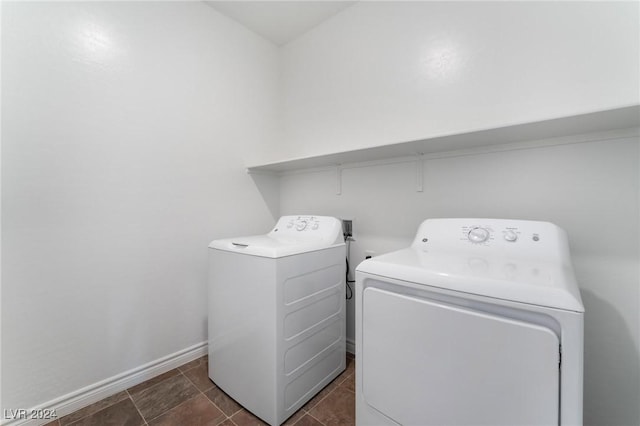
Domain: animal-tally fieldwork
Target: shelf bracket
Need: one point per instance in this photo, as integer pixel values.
(338, 179)
(419, 174)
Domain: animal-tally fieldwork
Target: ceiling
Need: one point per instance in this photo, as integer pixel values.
(279, 21)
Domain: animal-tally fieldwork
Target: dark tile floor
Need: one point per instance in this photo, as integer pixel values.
(186, 396)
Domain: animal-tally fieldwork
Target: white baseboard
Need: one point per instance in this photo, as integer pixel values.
(81, 398)
(351, 346)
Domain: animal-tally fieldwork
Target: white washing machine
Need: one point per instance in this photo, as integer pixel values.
(479, 322)
(277, 314)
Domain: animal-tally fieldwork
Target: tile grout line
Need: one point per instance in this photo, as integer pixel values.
(156, 384)
(187, 400)
(136, 406)
(318, 403)
(91, 414)
(318, 420)
(211, 402)
(203, 394)
(326, 396)
(307, 411)
(323, 398)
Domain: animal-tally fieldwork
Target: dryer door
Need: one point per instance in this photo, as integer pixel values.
(428, 363)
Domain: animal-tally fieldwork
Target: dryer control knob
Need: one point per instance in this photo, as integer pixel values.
(510, 236)
(478, 235)
(301, 225)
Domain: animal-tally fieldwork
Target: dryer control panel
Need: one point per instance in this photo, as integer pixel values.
(479, 234)
(530, 238)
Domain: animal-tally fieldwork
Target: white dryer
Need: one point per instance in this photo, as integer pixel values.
(277, 314)
(479, 322)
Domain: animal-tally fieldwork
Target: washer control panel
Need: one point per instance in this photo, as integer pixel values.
(303, 223)
(312, 227)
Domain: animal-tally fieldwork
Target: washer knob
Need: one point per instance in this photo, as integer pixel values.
(510, 236)
(478, 235)
(301, 225)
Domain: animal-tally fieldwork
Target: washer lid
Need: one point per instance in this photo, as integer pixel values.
(291, 235)
(534, 269)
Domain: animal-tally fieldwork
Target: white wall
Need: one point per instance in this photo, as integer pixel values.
(589, 189)
(125, 130)
(384, 72)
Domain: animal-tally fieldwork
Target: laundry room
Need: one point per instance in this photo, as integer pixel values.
(133, 134)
